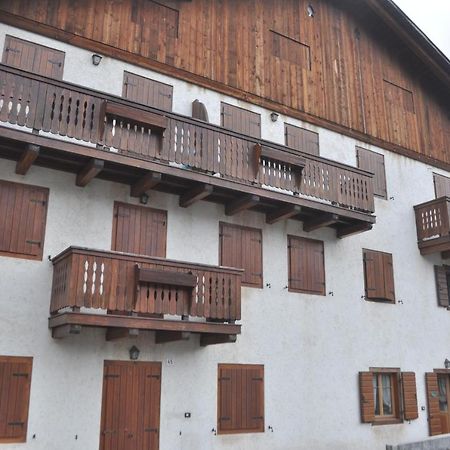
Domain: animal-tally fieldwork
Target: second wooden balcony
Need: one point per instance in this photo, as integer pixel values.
(127, 294)
(433, 226)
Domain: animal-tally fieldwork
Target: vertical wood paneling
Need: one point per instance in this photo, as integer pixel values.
(441, 185)
(367, 400)
(300, 139)
(241, 120)
(373, 162)
(434, 420)
(410, 410)
(378, 276)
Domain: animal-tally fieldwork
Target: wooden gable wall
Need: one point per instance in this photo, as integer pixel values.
(341, 68)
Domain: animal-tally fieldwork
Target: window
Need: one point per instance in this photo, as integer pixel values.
(139, 230)
(301, 139)
(34, 58)
(147, 92)
(241, 120)
(15, 382)
(379, 276)
(22, 220)
(241, 247)
(373, 162)
(240, 405)
(442, 274)
(387, 396)
(441, 185)
(306, 265)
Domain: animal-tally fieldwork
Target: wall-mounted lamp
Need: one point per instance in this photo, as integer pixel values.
(274, 116)
(96, 59)
(447, 363)
(143, 199)
(134, 353)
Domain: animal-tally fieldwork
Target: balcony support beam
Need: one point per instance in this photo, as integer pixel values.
(349, 230)
(27, 159)
(324, 220)
(241, 204)
(65, 330)
(162, 337)
(283, 213)
(89, 171)
(195, 194)
(145, 183)
(212, 339)
(113, 334)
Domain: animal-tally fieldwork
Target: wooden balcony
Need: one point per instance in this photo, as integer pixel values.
(127, 294)
(94, 134)
(433, 226)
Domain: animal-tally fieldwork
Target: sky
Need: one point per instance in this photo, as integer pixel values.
(432, 17)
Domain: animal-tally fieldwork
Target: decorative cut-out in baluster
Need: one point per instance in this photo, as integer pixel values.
(85, 276)
(94, 277)
(102, 277)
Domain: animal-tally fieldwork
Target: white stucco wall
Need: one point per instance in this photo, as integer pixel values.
(312, 347)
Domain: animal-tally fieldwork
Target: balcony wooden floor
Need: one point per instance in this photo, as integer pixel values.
(121, 141)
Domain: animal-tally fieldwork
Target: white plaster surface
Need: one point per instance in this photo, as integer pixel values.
(312, 347)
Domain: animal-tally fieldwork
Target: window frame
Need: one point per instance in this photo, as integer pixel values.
(396, 397)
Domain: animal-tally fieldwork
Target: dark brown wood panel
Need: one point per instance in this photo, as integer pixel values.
(33, 57)
(306, 265)
(241, 120)
(410, 410)
(15, 383)
(300, 139)
(367, 401)
(139, 230)
(146, 91)
(434, 421)
(373, 162)
(22, 220)
(378, 276)
(240, 398)
(442, 275)
(349, 71)
(441, 185)
(241, 247)
(130, 406)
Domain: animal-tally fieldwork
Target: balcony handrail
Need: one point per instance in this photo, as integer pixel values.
(120, 100)
(433, 202)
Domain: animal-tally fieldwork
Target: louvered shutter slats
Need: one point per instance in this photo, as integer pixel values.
(434, 421)
(367, 400)
(410, 410)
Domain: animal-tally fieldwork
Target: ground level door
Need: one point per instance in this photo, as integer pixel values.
(444, 401)
(130, 406)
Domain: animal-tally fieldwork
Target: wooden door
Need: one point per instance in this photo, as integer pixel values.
(444, 402)
(130, 406)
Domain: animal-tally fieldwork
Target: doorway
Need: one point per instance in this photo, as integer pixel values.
(130, 406)
(444, 392)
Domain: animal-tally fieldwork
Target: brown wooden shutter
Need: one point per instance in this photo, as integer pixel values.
(378, 275)
(388, 268)
(23, 218)
(147, 92)
(15, 383)
(306, 265)
(367, 400)
(373, 162)
(301, 139)
(434, 421)
(442, 285)
(240, 398)
(441, 185)
(410, 410)
(199, 111)
(139, 230)
(34, 58)
(241, 120)
(241, 247)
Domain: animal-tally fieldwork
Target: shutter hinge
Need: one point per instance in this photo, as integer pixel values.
(257, 379)
(225, 418)
(258, 418)
(20, 374)
(16, 424)
(225, 379)
(151, 430)
(112, 375)
(56, 63)
(35, 200)
(153, 376)
(31, 242)
(165, 95)
(14, 50)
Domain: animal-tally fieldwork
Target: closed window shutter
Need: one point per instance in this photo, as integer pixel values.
(139, 230)
(367, 401)
(241, 247)
(22, 223)
(147, 92)
(225, 403)
(442, 285)
(441, 185)
(434, 421)
(199, 111)
(15, 382)
(306, 265)
(300, 139)
(373, 162)
(241, 120)
(33, 58)
(255, 398)
(410, 410)
(378, 276)
(388, 268)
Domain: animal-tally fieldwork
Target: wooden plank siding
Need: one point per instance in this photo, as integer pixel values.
(349, 68)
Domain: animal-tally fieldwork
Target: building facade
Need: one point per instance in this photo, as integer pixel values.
(198, 252)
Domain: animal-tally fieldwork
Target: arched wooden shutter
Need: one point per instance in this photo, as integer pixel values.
(410, 411)
(434, 421)
(367, 400)
(442, 285)
(199, 111)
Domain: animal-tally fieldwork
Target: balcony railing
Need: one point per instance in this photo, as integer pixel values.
(433, 226)
(138, 131)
